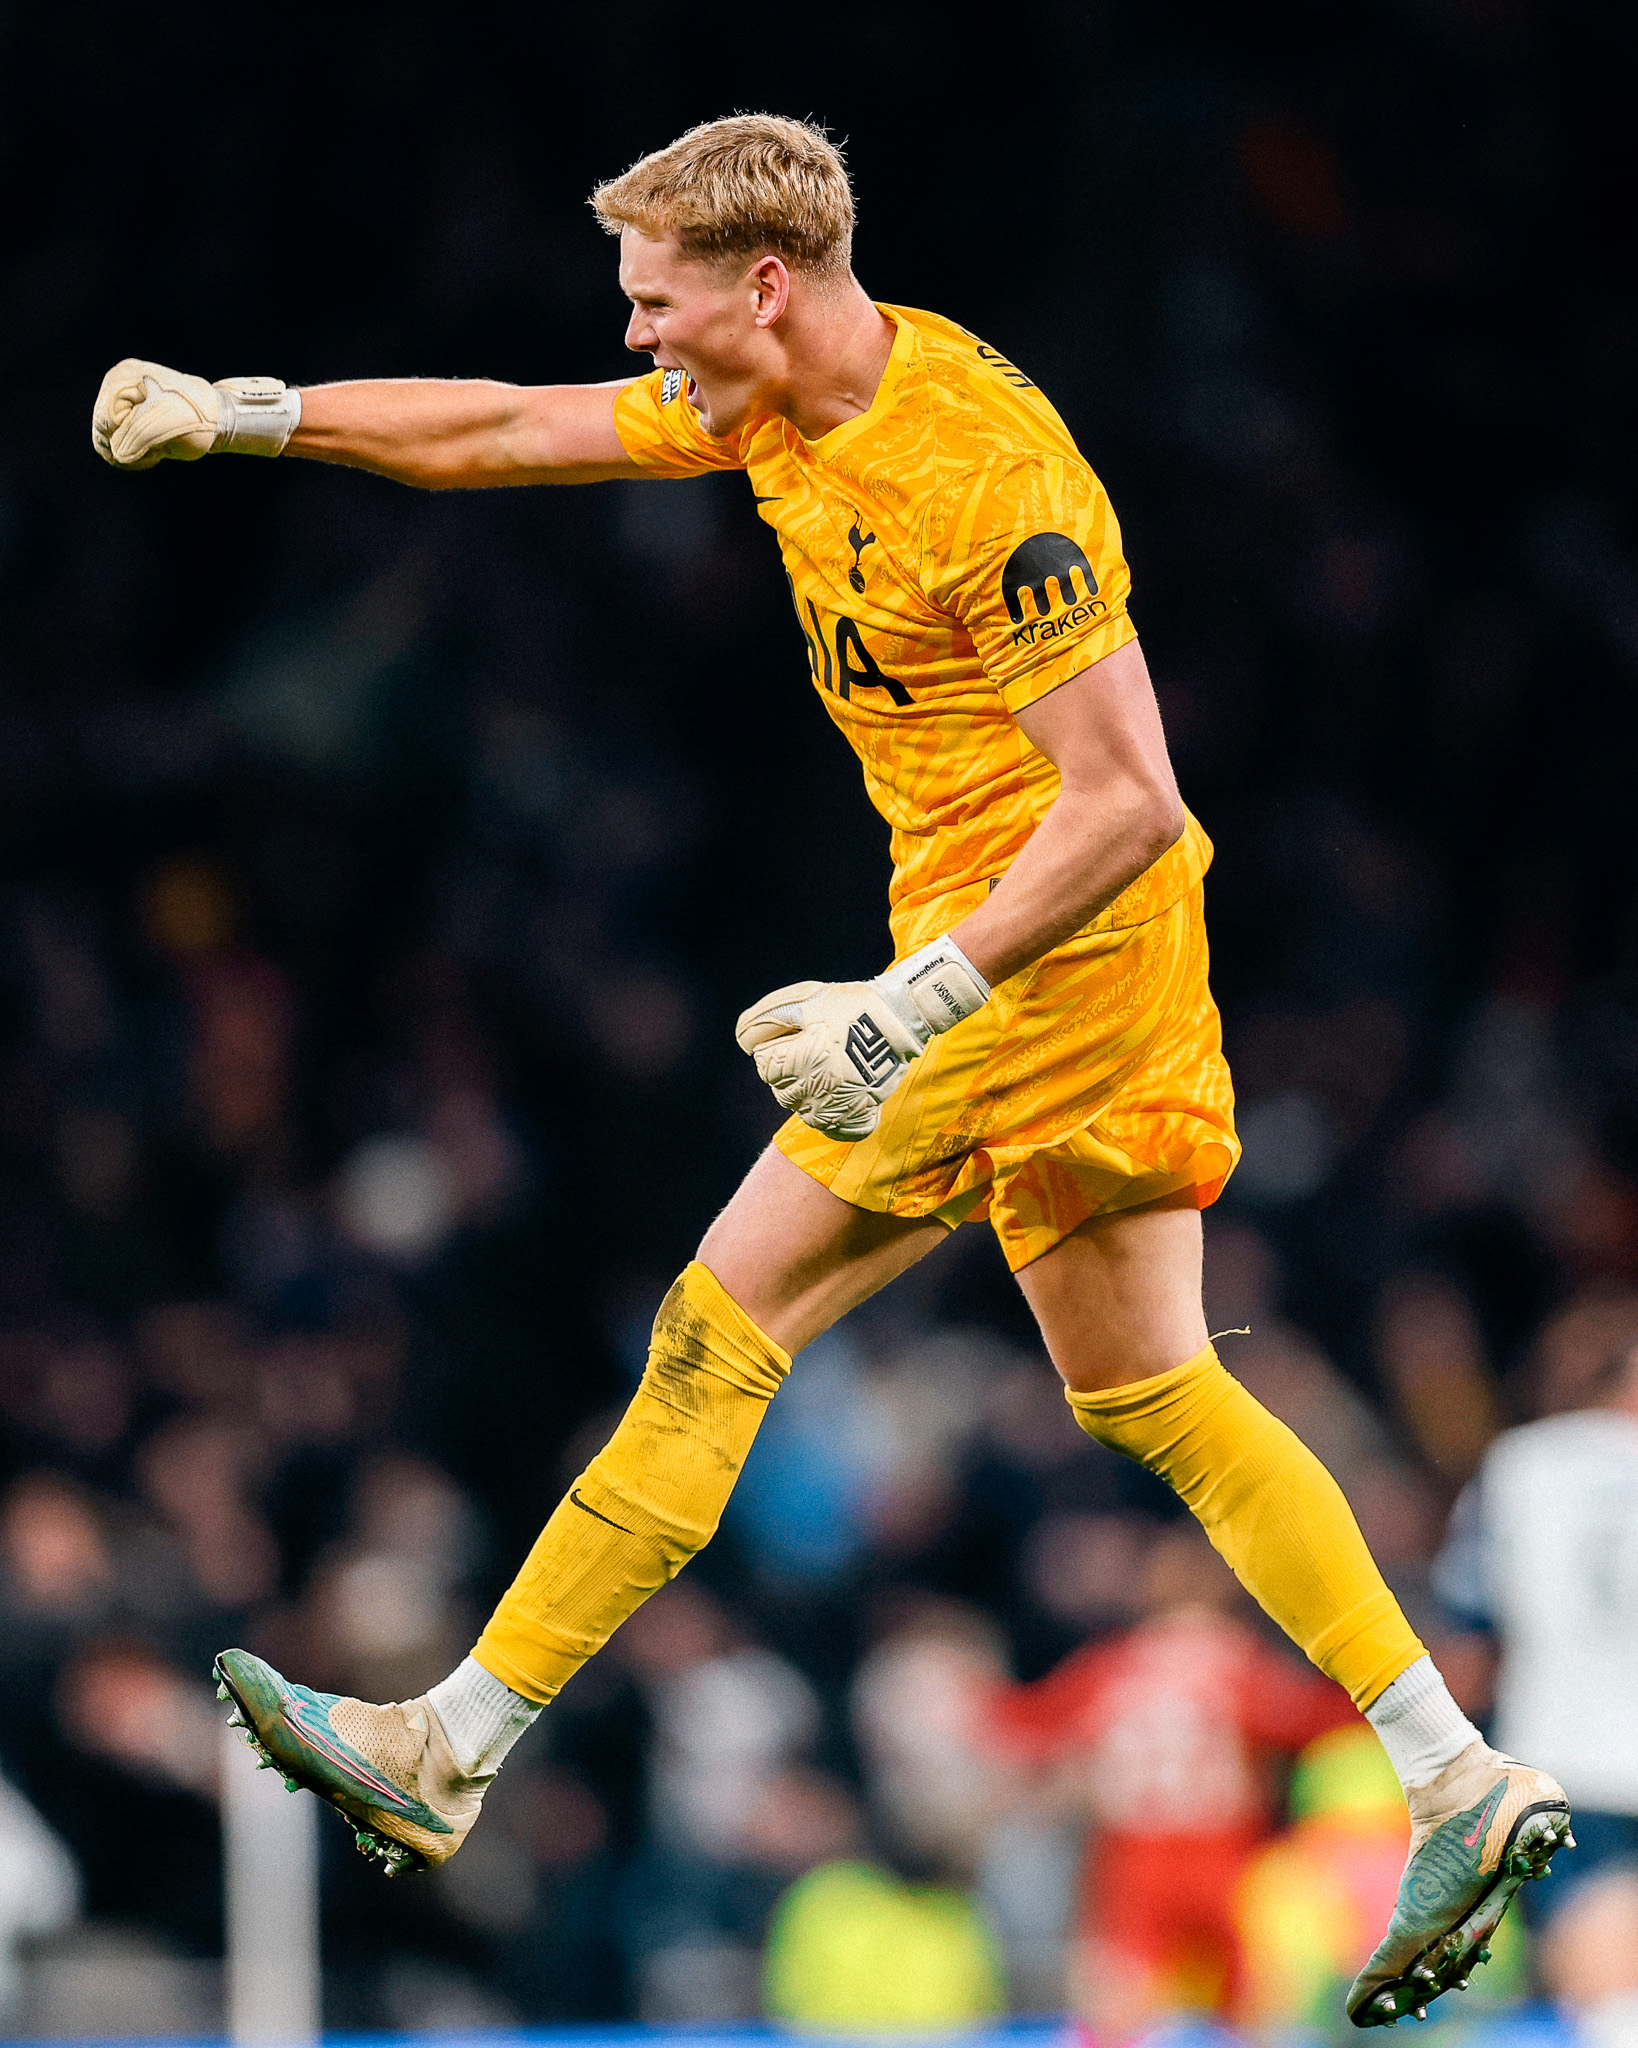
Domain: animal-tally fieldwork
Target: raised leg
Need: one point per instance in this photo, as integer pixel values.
(1119, 1307)
(781, 1263)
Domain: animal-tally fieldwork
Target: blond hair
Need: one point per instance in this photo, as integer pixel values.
(750, 185)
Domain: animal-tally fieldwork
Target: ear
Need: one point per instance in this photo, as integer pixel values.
(770, 284)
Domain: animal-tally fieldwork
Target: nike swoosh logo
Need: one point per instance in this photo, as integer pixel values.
(1483, 1820)
(346, 1760)
(574, 1495)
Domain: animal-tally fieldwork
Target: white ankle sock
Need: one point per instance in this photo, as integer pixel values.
(1420, 1725)
(481, 1717)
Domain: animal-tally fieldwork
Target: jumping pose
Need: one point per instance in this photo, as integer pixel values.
(1044, 1050)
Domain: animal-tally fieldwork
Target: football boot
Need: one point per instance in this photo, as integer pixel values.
(389, 1770)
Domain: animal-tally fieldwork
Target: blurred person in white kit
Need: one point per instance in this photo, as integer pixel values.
(39, 1890)
(1543, 1554)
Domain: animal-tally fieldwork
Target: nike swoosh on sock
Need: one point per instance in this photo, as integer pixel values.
(574, 1495)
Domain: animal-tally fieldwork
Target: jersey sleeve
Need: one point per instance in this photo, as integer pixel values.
(661, 432)
(1025, 552)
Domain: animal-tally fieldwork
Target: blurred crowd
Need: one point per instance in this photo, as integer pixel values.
(380, 876)
(957, 1716)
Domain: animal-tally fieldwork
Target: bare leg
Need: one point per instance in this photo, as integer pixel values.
(1118, 1303)
(796, 1257)
(1119, 1299)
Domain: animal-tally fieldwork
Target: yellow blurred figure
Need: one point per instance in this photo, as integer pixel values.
(853, 1950)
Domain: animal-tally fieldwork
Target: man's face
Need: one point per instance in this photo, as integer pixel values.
(700, 319)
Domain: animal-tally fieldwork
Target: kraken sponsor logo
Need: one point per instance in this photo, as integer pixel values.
(1036, 567)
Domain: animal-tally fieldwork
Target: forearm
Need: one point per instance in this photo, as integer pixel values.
(1087, 849)
(834, 1051)
(447, 434)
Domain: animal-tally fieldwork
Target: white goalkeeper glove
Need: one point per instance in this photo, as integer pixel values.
(145, 412)
(833, 1051)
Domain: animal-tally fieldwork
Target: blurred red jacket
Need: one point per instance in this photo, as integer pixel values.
(1168, 1728)
(1165, 1736)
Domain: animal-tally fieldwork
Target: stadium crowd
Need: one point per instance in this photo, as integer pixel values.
(380, 876)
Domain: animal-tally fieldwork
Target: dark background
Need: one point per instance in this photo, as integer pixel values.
(333, 813)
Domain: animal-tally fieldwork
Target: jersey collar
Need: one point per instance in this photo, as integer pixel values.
(898, 357)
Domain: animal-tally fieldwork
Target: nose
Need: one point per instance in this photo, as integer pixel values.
(640, 333)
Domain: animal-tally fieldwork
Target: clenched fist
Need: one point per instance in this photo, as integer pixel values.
(146, 413)
(833, 1051)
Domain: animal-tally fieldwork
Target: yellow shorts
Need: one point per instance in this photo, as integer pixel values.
(1094, 1081)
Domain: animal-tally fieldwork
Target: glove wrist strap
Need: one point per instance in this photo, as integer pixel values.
(934, 988)
(254, 416)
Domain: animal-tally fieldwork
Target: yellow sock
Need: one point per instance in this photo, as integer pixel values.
(1272, 1510)
(649, 1499)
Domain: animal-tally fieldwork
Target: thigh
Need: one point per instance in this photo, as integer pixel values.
(1119, 1298)
(796, 1257)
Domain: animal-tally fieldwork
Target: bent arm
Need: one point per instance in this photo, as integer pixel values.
(449, 435)
(1117, 813)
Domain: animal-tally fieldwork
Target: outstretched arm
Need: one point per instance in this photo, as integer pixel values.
(463, 435)
(441, 433)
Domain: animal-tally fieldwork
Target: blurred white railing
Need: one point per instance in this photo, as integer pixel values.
(270, 1875)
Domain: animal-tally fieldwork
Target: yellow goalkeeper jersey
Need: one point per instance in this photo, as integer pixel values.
(952, 558)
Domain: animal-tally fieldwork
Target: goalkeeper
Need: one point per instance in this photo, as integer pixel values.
(1043, 1051)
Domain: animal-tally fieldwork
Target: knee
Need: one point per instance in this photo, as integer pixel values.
(1101, 1368)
